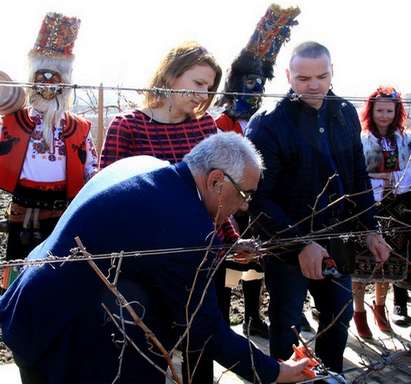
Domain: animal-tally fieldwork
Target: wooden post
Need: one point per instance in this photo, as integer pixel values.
(100, 120)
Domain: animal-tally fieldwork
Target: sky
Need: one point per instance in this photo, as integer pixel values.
(120, 42)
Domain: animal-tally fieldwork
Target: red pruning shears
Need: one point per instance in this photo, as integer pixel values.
(301, 352)
(330, 267)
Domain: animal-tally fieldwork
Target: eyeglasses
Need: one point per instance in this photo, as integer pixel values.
(246, 196)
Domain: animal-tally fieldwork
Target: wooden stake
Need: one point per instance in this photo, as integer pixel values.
(100, 120)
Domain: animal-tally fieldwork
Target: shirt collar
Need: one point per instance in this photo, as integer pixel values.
(34, 113)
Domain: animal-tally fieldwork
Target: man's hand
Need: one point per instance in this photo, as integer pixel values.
(245, 250)
(310, 259)
(378, 247)
(292, 371)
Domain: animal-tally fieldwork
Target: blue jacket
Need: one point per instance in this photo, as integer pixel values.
(289, 139)
(52, 319)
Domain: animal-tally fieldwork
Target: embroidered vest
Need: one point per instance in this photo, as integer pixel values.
(13, 147)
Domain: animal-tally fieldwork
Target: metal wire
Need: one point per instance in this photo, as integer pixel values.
(187, 92)
(268, 248)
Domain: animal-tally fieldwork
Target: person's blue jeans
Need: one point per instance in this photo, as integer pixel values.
(287, 288)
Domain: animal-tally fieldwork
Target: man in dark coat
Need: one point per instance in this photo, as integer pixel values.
(313, 155)
(51, 316)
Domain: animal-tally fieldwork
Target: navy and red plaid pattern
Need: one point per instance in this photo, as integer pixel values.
(134, 133)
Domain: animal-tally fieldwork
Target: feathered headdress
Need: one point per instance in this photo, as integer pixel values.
(270, 34)
(259, 55)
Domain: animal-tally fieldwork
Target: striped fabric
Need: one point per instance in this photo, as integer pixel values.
(134, 133)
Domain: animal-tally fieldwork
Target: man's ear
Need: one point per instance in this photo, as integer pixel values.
(287, 72)
(215, 180)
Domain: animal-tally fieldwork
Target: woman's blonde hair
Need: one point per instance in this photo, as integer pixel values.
(177, 61)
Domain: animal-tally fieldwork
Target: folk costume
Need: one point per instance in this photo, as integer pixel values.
(390, 154)
(46, 152)
(248, 74)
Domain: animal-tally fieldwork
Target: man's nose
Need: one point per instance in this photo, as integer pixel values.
(313, 84)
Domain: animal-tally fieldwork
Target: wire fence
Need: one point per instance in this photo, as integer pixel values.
(90, 103)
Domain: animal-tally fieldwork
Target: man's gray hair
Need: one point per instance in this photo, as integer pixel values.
(227, 151)
(311, 50)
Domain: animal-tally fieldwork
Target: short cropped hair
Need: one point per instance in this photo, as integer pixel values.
(227, 151)
(311, 50)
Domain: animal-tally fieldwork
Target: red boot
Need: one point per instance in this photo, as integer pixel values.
(360, 320)
(381, 318)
